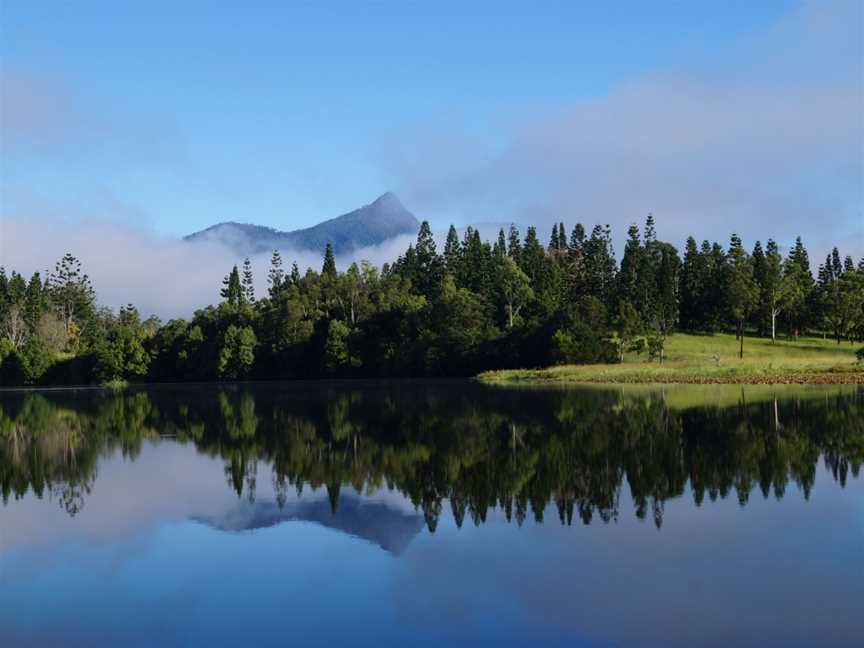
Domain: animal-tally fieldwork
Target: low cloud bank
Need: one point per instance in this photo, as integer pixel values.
(166, 277)
(163, 276)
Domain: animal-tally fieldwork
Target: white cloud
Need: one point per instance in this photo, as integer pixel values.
(770, 145)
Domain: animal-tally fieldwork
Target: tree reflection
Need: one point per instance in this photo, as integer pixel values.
(475, 447)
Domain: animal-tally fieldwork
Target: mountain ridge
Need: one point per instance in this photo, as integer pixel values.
(372, 224)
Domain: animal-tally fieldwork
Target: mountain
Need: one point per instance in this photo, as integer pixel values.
(376, 522)
(370, 225)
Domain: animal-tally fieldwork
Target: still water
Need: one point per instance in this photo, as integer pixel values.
(432, 514)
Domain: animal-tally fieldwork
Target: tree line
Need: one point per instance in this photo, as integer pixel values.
(476, 305)
(470, 448)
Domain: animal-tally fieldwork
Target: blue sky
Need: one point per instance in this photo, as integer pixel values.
(184, 114)
(124, 126)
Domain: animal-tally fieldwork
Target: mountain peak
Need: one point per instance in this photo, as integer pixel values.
(389, 201)
(371, 224)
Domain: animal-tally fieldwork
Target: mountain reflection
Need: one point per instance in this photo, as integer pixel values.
(476, 447)
(377, 522)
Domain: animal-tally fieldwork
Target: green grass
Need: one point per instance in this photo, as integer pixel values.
(713, 359)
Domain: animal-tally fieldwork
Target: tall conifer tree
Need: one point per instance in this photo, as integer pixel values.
(247, 282)
(276, 276)
(328, 269)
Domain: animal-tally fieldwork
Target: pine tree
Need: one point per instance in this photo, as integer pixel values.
(742, 293)
(71, 293)
(4, 293)
(577, 238)
(406, 265)
(801, 306)
(17, 288)
(232, 290)
(514, 244)
(452, 251)
(533, 257)
(558, 244)
(554, 245)
(476, 273)
(714, 307)
(650, 232)
(276, 276)
(247, 283)
(692, 286)
(35, 303)
(600, 265)
(774, 292)
(829, 307)
(575, 275)
(663, 311)
(429, 267)
(628, 278)
(500, 248)
(758, 260)
(836, 266)
(847, 309)
(328, 270)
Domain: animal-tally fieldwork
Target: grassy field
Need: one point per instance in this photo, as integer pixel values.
(713, 359)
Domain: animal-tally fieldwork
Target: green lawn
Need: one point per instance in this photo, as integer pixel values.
(713, 359)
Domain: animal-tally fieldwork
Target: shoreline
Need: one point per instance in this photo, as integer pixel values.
(556, 375)
(576, 375)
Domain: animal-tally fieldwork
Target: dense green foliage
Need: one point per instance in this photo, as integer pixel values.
(477, 306)
(458, 445)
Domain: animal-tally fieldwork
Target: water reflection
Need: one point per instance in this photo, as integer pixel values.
(474, 447)
(380, 523)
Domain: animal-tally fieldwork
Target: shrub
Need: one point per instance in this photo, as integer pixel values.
(582, 345)
(27, 365)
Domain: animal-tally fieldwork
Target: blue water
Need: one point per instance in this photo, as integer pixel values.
(163, 551)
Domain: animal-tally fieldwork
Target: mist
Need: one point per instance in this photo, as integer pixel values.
(161, 276)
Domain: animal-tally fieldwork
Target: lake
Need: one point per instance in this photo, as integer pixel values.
(430, 513)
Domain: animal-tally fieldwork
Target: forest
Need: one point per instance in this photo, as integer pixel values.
(475, 306)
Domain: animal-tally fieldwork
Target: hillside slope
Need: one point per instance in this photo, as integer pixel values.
(372, 224)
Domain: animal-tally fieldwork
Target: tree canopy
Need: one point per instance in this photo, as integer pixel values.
(475, 306)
